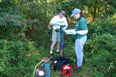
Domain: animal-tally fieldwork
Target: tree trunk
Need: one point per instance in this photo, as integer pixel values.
(94, 14)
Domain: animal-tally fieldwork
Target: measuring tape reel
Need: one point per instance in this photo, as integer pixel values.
(67, 70)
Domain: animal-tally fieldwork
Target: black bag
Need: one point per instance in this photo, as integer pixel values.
(60, 62)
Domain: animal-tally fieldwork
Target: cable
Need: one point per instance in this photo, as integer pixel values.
(36, 66)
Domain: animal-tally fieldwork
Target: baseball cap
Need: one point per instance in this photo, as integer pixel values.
(75, 11)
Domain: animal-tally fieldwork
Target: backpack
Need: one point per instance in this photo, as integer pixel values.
(59, 62)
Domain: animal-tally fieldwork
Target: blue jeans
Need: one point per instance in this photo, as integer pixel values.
(79, 43)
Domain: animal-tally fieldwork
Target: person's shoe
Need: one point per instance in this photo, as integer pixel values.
(76, 68)
(57, 51)
(51, 56)
(51, 52)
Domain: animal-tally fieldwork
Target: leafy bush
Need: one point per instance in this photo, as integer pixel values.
(100, 42)
(11, 25)
(100, 48)
(101, 64)
(17, 58)
(102, 26)
(27, 19)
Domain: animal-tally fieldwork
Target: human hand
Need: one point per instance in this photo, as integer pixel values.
(57, 24)
(63, 29)
(74, 33)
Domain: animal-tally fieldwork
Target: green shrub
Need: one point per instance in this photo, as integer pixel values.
(99, 50)
(100, 42)
(17, 58)
(102, 63)
(103, 26)
(11, 25)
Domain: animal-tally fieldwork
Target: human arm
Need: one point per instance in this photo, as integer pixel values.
(83, 26)
(82, 32)
(53, 21)
(66, 24)
(52, 24)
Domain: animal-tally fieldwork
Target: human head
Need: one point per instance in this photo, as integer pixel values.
(62, 14)
(77, 14)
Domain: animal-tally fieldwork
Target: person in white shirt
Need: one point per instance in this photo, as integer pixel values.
(55, 22)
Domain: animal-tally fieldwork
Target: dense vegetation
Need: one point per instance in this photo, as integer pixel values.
(25, 36)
